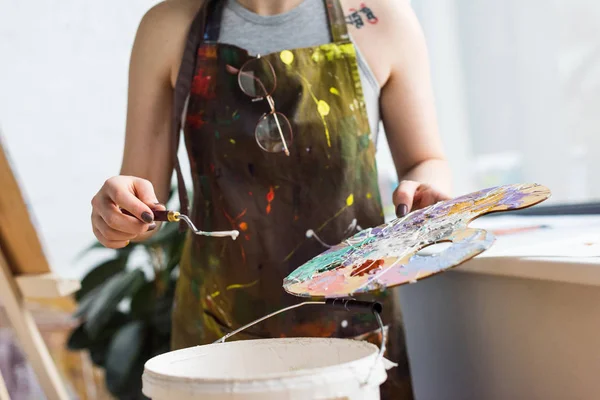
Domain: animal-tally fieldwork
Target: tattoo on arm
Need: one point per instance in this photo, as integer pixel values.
(356, 16)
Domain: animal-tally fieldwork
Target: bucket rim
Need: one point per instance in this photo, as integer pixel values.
(152, 375)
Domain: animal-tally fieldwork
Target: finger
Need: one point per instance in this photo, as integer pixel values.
(158, 207)
(108, 232)
(144, 190)
(427, 197)
(403, 197)
(117, 220)
(126, 197)
(111, 244)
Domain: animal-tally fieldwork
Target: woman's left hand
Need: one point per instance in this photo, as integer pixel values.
(411, 195)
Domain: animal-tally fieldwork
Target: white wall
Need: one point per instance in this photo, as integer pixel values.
(523, 78)
(63, 81)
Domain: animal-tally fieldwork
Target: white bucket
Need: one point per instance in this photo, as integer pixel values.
(291, 368)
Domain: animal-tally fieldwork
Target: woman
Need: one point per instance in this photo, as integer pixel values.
(284, 102)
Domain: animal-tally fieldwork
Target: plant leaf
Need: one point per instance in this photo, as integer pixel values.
(164, 235)
(174, 251)
(80, 340)
(161, 316)
(98, 353)
(100, 275)
(110, 295)
(123, 354)
(142, 302)
(86, 303)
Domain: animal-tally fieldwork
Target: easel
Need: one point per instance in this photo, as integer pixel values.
(25, 273)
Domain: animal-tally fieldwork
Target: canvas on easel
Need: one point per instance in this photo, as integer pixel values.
(25, 273)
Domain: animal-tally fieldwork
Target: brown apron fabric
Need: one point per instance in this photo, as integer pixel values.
(329, 179)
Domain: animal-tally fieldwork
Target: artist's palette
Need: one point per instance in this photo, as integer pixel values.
(385, 256)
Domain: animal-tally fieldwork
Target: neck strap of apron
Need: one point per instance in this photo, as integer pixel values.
(337, 21)
(181, 92)
(206, 27)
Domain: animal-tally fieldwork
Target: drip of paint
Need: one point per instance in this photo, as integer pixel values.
(287, 57)
(317, 56)
(270, 197)
(323, 108)
(350, 200)
(242, 285)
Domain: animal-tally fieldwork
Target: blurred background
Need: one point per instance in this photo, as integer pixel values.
(517, 86)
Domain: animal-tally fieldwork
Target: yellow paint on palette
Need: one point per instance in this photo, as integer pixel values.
(287, 57)
(323, 107)
(333, 90)
(350, 200)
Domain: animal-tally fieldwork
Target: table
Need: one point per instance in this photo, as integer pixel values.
(521, 321)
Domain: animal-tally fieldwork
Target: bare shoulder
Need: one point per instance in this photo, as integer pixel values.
(163, 31)
(386, 32)
(168, 13)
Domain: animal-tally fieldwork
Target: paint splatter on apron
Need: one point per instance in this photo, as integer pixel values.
(328, 181)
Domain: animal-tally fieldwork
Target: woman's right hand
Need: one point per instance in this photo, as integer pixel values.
(113, 228)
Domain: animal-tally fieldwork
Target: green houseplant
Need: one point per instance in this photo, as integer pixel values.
(125, 309)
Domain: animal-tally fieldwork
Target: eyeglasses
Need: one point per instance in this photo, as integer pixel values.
(257, 79)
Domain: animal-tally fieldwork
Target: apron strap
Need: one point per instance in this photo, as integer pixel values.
(180, 96)
(337, 21)
(213, 20)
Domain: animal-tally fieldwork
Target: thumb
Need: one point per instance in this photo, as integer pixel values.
(404, 197)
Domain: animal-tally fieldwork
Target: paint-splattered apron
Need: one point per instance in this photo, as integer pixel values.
(329, 179)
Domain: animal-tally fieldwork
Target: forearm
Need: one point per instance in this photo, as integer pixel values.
(433, 172)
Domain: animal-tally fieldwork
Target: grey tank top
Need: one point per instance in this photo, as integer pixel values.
(304, 26)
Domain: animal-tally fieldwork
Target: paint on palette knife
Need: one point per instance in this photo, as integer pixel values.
(385, 256)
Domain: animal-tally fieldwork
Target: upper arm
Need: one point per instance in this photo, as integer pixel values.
(407, 102)
(155, 56)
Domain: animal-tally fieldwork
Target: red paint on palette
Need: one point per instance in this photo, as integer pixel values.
(366, 267)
